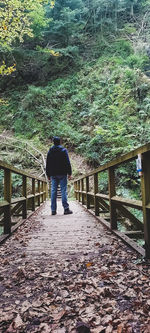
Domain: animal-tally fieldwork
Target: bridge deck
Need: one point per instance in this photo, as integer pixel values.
(59, 270)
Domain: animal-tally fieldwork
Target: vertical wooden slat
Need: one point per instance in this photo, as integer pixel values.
(112, 192)
(75, 188)
(7, 197)
(145, 187)
(82, 189)
(39, 190)
(79, 190)
(24, 192)
(42, 189)
(96, 206)
(47, 193)
(87, 190)
(33, 192)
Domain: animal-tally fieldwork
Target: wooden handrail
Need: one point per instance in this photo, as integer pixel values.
(119, 160)
(118, 206)
(24, 203)
(4, 165)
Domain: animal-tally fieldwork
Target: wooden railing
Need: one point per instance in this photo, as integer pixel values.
(33, 193)
(115, 206)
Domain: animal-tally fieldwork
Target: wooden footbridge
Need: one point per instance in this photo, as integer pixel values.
(109, 208)
(73, 273)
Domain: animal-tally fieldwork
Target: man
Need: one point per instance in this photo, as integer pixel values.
(57, 168)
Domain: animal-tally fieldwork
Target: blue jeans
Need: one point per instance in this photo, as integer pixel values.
(55, 181)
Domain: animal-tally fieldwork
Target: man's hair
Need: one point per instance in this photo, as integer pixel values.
(56, 140)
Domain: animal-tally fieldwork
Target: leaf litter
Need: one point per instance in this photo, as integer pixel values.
(106, 290)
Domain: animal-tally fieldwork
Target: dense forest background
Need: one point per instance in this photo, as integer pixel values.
(79, 69)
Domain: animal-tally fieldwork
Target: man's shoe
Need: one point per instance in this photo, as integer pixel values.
(53, 213)
(67, 211)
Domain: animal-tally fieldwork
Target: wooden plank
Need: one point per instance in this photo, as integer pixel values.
(112, 192)
(45, 191)
(16, 200)
(91, 194)
(42, 192)
(134, 234)
(127, 202)
(24, 192)
(96, 206)
(75, 190)
(33, 192)
(37, 194)
(39, 191)
(82, 189)
(145, 187)
(104, 204)
(4, 165)
(4, 203)
(87, 193)
(102, 196)
(126, 213)
(7, 197)
(79, 189)
(15, 208)
(30, 196)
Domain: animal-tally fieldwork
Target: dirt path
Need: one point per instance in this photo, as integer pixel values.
(67, 274)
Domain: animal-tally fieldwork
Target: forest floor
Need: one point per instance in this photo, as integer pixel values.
(67, 274)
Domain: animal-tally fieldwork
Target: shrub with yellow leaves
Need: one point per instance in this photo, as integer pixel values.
(55, 54)
(52, 4)
(4, 70)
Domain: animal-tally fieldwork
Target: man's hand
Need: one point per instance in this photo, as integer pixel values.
(69, 177)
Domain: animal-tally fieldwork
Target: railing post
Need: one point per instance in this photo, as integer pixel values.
(82, 189)
(39, 190)
(112, 192)
(24, 190)
(33, 192)
(45, 190)
(7, 197)
(79, 190)
(75, 189)
(145, 187)
(96, 206)
(42, 188)
(87, 190)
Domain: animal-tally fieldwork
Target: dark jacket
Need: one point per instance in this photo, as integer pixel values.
(58, 162)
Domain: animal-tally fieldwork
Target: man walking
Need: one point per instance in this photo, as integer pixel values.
(57, 168)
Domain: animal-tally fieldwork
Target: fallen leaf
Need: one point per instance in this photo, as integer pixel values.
(59, 315)
(44, 328)
(18, 321)
(89, 264)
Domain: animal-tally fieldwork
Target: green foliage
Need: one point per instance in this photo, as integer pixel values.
(137, 61)
(92, 105)
(94, 111)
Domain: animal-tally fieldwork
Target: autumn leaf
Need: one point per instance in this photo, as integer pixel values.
(89, 264)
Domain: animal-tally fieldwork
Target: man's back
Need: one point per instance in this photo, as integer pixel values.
(58, 161)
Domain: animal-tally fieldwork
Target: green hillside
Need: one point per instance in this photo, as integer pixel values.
(92, 88)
